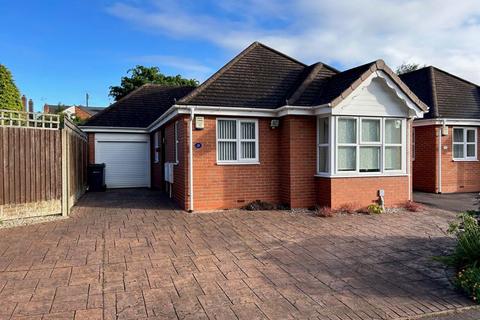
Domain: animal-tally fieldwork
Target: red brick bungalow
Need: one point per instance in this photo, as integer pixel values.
(446, 140)
(267, 127)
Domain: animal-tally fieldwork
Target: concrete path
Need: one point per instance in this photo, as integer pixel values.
(456, 202)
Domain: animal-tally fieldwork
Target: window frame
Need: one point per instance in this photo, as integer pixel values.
(238, 142)
(156, 146)
(323, 145)
(334, 147)
(465, 143)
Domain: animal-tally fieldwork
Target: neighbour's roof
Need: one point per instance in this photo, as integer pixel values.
(447, 95)
(91, 110)
(258, 77)
(139, 108)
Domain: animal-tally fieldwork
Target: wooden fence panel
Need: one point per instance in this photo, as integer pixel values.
(42, 167)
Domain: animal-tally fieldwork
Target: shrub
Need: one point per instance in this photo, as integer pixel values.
(258, 205)
(467, 249)
(465, 257)
(325, 212)
(374, 208)
(469, 281)
(413, 206)
(347, 208)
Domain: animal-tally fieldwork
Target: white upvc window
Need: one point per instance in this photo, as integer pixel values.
(361, 146)
(237, 141)
(323, 142)
(156, 144)
(465, 144)
(175, 127)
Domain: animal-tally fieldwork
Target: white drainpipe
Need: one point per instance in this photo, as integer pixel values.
(440, 133)
(190, 157)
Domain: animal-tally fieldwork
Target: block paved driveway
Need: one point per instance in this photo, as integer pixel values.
(127, 255)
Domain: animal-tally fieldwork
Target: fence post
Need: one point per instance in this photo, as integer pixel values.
(65, 205)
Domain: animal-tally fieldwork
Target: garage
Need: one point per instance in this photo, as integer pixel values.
(126, 157)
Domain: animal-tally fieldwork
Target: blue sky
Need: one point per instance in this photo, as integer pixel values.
(59, 50)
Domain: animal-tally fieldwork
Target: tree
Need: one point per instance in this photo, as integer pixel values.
(9, 94)
(407, 67)
(141, 75)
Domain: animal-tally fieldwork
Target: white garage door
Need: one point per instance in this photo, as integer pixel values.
(127, 159)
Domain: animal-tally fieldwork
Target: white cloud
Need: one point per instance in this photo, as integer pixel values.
(433, 32)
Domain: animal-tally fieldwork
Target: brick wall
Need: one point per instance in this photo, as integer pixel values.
(231, 186)
(425, 163)
(458, 176)
(179, 190)
(91, 148)
(299, 156)
(362, 191)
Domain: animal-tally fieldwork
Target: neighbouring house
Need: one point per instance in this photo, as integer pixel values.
(446, 140)
(267, 127)
(79, 112)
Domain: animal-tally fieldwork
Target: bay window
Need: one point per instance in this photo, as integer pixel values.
(361, 145)
(237, 141)
(464, 144)
(323, 141)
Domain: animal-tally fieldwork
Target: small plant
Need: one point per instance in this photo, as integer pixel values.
(347, 208)
(325, 212)
(374, 208)
(413, 206)
(469, 281)
(258, 205)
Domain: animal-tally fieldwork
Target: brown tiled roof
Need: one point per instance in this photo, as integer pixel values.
(447, 95)
(259, 77)
(139, 108)
(91, 110)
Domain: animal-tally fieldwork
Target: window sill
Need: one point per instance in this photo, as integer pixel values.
(366, 175)
(237, 163)
(465, 160)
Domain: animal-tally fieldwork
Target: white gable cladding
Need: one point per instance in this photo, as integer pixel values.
(377, 96)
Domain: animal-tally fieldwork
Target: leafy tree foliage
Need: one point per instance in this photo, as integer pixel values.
(9, 94)
(407, 67)
(141, 75)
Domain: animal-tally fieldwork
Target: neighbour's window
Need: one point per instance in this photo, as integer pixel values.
(368, 145)
(323, 144)
(237, 141)
(464, 143)
(156, 138)
(176, 141)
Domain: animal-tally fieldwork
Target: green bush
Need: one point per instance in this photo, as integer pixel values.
(467, 249)
(375, 209)
(469, 281)
(465, 257)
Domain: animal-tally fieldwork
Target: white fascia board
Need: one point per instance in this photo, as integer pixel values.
(113, 129)
(254, 112)
(447, 122)
(171, 113)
